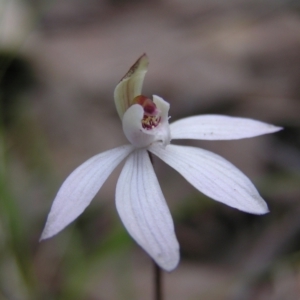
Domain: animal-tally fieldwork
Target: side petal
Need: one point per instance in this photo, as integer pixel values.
(130, 85)
(164, 107)
(213, 176)
(80, 187)
(144, 212)
(163, 129)
(217, 127)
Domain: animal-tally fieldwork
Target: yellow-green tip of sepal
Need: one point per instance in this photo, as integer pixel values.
(130, 85)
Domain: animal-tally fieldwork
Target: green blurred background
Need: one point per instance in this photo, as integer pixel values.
(59, 64)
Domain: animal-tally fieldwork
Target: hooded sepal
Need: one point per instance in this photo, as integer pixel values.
(130, 85)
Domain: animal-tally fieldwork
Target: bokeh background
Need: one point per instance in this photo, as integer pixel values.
(59, 64)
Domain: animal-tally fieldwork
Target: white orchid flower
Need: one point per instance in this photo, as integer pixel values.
(139, 199)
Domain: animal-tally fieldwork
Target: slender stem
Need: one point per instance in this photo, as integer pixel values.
(157, 282)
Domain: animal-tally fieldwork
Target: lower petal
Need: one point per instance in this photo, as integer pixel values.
(213, 176)
(144, 212)
(80, 188)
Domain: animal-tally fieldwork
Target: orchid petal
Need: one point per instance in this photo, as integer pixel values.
(213, 176)
(164, 107)
(217, 127)
(144, 212)
(80, 187)
(163, 129)
(130, 85)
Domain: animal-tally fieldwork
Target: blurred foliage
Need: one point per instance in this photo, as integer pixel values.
(27, 270)
(16, 77)
(262, 254)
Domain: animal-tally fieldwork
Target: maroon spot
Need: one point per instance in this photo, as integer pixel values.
(146, 103)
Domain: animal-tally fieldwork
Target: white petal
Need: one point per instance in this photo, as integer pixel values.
(217, 127)
(213, 176)
(163, 129)
(144, 212)
(163, 106)
(130, 85)
(80, 187)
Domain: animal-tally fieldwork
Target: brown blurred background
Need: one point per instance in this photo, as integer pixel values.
(59, 64)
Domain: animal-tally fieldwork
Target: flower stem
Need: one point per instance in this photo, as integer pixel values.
(157, 282)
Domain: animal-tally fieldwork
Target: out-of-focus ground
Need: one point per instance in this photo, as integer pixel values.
(59, 65)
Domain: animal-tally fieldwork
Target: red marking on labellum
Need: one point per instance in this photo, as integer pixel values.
(148, 104)
(151, 115)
